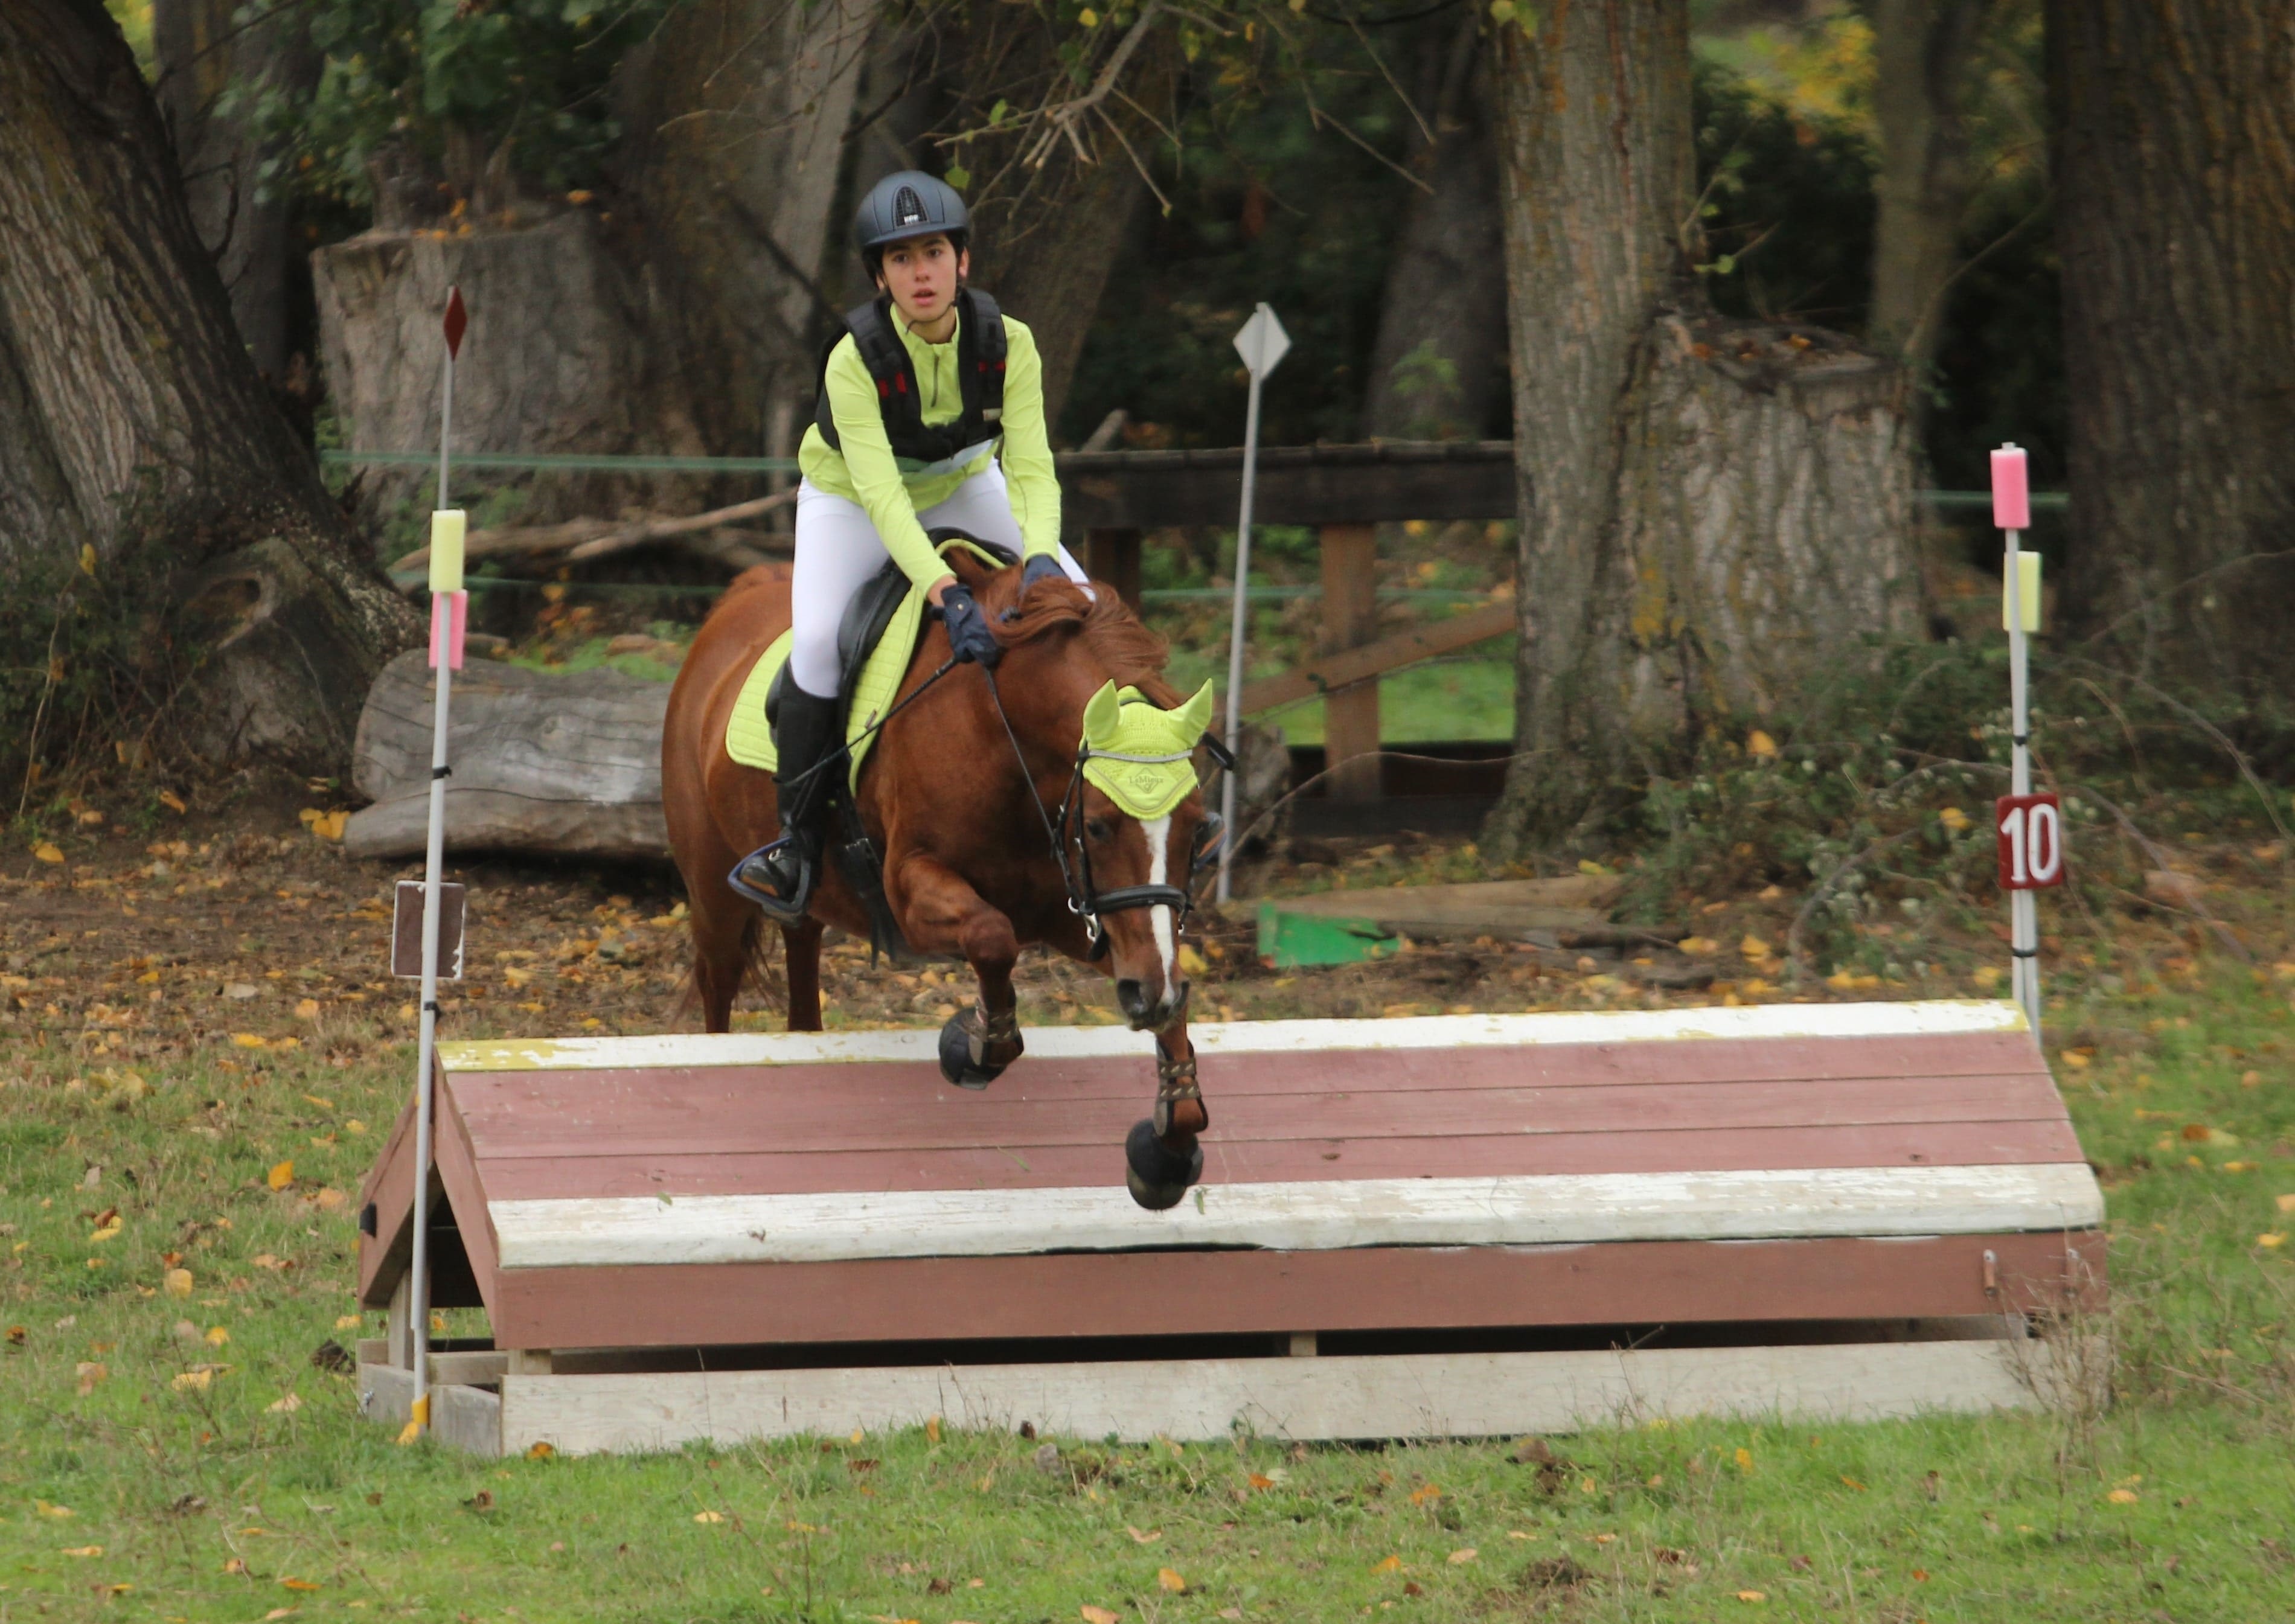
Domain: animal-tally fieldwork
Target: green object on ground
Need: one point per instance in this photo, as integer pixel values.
(1289, 941)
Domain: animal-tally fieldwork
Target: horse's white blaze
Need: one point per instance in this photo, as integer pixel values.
(1158, 831)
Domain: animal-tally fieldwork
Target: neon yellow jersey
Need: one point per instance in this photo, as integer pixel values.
(866, 471)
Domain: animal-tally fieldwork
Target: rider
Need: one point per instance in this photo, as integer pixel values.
(930, 413)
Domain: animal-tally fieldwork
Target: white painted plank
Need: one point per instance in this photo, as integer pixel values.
(1216, 1038)
(1428, 1395)
(1306, 1216)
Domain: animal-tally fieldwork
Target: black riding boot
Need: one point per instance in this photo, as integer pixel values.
(779, 878)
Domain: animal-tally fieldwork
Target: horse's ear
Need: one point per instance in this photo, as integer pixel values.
(1196, 714)
(1101, 715)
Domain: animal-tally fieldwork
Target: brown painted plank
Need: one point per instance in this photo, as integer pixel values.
(1205, 1293)
(954, 1121)
(390, 1186)
(1042, 1167)
(507, 1099)
(458, 1170)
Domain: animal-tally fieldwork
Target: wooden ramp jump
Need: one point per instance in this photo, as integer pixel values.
(1454, 1225)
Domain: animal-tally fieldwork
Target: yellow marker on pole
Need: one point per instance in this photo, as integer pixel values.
(448, 527)
(2026, 595)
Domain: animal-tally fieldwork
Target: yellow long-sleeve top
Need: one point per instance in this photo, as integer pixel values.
(865, 471)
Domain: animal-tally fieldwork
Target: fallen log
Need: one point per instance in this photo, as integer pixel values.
(565, 764)
(582, 539)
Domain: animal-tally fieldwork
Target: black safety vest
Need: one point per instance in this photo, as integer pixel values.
(980, 350)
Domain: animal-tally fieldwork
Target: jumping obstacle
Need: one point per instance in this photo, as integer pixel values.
(1445, 1225)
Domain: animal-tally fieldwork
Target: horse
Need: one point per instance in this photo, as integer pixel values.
(994, 835)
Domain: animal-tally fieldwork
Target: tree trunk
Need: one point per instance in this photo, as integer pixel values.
(1436, 369)
(1921, 50)
(1045, 238)
(2175, 165)
(736, 114)
(556, 360)
(1711, 513)
(135, 422)
(204, 52)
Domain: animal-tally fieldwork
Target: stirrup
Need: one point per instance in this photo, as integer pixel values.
(788, 910)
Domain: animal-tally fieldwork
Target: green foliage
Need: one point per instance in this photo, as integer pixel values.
(88, 660)
(452, 84)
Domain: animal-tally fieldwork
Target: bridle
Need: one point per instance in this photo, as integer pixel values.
(1065, 831)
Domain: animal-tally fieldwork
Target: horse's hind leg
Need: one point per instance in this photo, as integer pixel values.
(940, 913)
(725, 932)
(801, 952)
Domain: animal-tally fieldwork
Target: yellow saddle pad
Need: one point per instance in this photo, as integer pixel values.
(749, 739)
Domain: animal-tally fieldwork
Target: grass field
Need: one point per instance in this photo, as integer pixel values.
(176, 1228)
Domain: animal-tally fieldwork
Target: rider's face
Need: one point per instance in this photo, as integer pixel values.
(922, 275)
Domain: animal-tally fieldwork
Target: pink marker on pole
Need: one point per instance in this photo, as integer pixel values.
(450, 623)
(2012, 501)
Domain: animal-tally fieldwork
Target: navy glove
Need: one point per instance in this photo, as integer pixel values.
(1043, 566)
(968, 636)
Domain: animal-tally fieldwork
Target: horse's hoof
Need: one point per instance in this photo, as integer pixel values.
(960, 1043)
(1157, 1176)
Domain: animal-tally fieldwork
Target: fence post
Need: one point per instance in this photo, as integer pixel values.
(1350, 620)
(1112, 555)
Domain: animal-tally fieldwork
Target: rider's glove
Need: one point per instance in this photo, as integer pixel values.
(1042, 566)
(968, 636)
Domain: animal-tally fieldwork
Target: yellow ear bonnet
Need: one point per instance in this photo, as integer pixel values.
(1140, 756)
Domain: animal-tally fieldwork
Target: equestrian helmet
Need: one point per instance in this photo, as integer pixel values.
(907, 203)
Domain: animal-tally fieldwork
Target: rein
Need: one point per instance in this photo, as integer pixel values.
(1084, 901)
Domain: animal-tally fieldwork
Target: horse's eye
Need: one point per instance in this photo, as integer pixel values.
(1098, 828)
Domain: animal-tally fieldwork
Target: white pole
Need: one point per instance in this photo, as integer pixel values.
(446, 583)
(1262, 344)
(1236, 638)
(2023, 909)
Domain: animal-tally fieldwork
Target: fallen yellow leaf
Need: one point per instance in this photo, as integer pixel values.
(1192, 961)
(1139, 1539)
(709, 1516)
(2286, 1203)
(1744, 1460)
(1953, 818)
(1170, 1579)
(193, 1381)
(177, 1282)
(1387, 1564)
(932, 1429)
(541, 1451)
(2122, 1497)
(1698, 945)
(1760, 744)
(1755, 949)
(287, 1406)
(2073, 1058)
(82, 1550)
(1097, 1615)
(298, 1584)
(46, 1510)
(2271, 1239)
(110, 1231)
(280, 1176)
(250, 1039)
(306, 1009)
(1426, 1492)
(217, 1337)
(1460, 1559)
(1753, 1596)
(47, 851)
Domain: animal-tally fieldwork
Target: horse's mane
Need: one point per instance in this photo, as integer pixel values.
(1134, 656)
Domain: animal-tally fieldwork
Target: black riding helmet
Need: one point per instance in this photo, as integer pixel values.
(907, 203)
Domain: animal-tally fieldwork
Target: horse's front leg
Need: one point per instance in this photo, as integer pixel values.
(940, 913)
(1162, 1157)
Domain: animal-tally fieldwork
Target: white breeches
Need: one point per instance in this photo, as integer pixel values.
(838, 550)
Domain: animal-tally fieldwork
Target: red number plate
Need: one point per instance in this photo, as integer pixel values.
(2031, 830)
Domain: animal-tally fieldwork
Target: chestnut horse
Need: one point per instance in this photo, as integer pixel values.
(971, 869)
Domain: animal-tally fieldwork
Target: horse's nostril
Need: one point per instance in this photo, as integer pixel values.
(1129, 995)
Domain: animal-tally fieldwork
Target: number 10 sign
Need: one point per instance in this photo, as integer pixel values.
(2032, 829)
